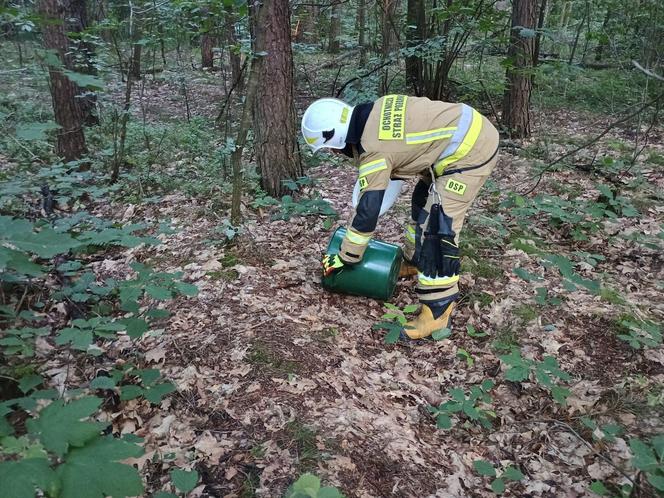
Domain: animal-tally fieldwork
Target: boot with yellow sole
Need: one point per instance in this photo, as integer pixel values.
(433, 316)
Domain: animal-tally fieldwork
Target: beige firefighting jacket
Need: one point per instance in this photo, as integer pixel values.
(407, 136)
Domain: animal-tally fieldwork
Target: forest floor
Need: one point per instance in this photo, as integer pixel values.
(277, 377)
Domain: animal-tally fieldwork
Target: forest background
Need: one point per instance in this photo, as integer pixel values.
(162, 329)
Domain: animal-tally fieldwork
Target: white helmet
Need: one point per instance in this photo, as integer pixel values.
(325, 124)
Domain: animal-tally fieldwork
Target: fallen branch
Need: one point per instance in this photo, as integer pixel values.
(648, 71)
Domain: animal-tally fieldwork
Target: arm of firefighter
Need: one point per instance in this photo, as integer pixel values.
(374, 177)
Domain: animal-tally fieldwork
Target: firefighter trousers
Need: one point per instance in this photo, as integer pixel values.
(457, 188)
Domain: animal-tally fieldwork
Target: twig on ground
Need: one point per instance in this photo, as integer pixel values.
(572, 431)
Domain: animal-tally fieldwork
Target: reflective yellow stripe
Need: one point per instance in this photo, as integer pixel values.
(356, 238)
(410, 234)
(468, 131)
(438, 282)
(422, 137)
(372, 167)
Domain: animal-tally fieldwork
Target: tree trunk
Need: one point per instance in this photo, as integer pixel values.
(516, 101)
(275, 132)
(78, 22)
(361, 27)
(415, 35)
(233, 52)
(207, 51)
(71, 138)
(335, 28)
(538, 36)
(135, 66)
(388, 9)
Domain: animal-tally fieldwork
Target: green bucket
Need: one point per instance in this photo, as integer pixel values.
(375, 276)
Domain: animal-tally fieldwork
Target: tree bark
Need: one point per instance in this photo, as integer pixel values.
(275, 141)
(66, 109)
(207, 51)
(516, 100)
(361, 27)
(135, 66)
(78, 22)
(538, 36)
(335, 28)
(415, 35)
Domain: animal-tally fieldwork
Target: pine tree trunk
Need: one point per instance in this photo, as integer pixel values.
(71, 138)
(135, 66)
(516, 101)
(207, 51)
(335, 28)
(361, 28)
(78, 22)
(415, 34)
(275, 139)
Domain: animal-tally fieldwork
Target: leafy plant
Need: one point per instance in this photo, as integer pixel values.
(394, 321)
(133, 382)
(545, 372)
(649, 459)
(309, 486)
(63, 454)
(640, 333)
(316, 206)
(484, 468)
(470, 404)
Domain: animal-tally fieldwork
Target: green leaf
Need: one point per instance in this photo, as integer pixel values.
(159, 293)
(20, 478)
(94, 472)
(307, 485)
(29, 382)
(657, 481)
(657, 442)
(599, 488)
(154, 394)
(512, 474)
(498, 486)
(329, 492)
(102, 383)
(164, 494)
(411, 308)
(644, 457)
(59, 425)
(130, 392)
(560, 394)
(186, 289)
(184, 481)
(484, 468)
(472, 332)
(443, 421)
(136, 327)
(526, 275)
(458, 394)
(517, 374)
(440, 334)
(84, 80)
(78, 338)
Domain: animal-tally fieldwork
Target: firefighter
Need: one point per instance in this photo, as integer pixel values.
(399, 136)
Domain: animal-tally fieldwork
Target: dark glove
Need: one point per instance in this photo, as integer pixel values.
(332, 263)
